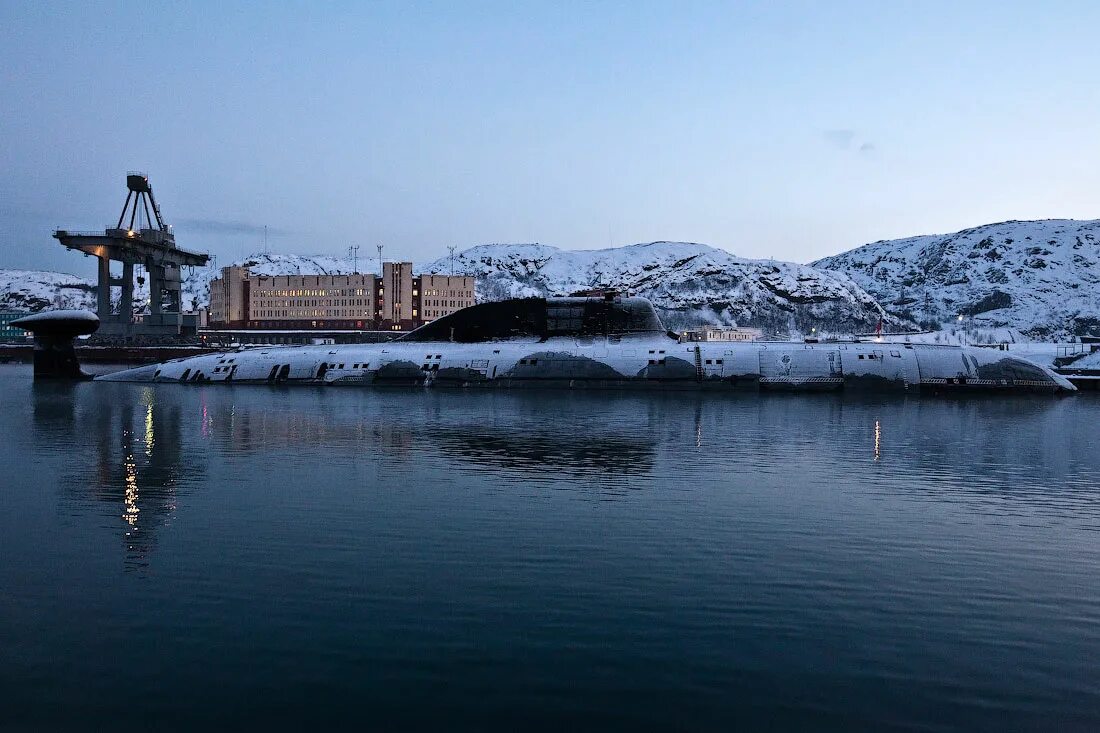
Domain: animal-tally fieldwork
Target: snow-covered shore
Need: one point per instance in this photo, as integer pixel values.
(1012, 282)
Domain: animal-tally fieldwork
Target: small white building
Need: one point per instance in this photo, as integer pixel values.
(716, 333)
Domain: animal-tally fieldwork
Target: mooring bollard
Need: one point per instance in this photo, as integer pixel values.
(54, 331)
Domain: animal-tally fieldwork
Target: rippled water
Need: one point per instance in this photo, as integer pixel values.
(183, 556)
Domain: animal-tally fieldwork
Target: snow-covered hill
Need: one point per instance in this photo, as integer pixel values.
(1038, 277)
(689, 283)
(31, 290)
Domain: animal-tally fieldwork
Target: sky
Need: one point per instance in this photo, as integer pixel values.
(786, 130)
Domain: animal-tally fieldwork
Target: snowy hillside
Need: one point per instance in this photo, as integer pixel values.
(689, 283)
(1038, 277)
(31, 290)
(196, 282)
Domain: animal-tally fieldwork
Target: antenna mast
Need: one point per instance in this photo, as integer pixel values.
(451, 248)
(353, 252)
(379, 260)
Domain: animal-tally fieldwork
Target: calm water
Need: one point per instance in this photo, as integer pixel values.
(442, 560)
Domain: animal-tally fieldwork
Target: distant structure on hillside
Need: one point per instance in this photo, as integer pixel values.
(715, 333)
(144, 239)
(396, 301)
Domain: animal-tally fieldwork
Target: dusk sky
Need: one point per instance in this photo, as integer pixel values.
(791, 130)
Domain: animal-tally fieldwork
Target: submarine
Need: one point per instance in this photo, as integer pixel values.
(579, 342)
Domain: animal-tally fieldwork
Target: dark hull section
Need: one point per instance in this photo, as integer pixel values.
(947, 388)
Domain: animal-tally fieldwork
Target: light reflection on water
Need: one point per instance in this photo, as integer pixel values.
(444, 559)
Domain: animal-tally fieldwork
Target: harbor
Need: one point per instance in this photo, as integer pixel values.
(588, 366)
(716, 551)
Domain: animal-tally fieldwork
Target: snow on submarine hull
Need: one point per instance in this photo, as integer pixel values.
(604, 342)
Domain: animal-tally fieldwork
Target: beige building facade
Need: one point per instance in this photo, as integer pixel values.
(228, 295)
(396, 301)
(444, 294)
(397, 294)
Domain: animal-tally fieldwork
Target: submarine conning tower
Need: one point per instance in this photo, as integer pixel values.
(54, 331)
(606, 314)
(140, 237)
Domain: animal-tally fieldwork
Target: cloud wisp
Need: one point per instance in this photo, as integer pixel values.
(839, 138)
(847, 139)
(223, 226)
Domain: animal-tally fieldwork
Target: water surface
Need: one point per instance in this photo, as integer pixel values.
(204, 556)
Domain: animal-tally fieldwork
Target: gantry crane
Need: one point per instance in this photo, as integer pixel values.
(147, 241)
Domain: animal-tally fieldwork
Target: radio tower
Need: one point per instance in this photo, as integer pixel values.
(379, 260)
(451, 248)
(353, 252)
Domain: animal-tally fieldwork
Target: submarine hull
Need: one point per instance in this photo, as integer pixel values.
(626, 364)
(608, 342)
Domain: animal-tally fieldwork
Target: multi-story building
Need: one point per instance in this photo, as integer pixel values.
(311, 301)
(229, 296)
(396, 301)
(9, 332)
(444, 294)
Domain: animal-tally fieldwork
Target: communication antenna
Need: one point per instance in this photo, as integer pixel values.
(265, 238)
(451, 249)
(379, 260)
(353, 252)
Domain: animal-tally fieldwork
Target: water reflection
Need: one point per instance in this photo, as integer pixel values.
(926, 561)
(128, 451)
(141, 443)
(516, 436)
(535, 450)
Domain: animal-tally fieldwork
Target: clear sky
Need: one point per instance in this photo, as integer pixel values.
(785, 130)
